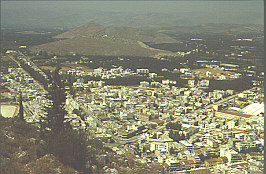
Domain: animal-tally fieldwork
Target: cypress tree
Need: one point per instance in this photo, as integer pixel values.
(21, 111)
(68, 145)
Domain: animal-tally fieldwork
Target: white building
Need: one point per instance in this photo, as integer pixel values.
(183, 70)
(231, 124)
(191, 82)
(204, 83)
(167, 82)
(98, 71)
(143, 71)
(144, 84)
(92, 123)
(208, 73)
(153, 75)
(225, 151)
(222, 77)
(160, 146)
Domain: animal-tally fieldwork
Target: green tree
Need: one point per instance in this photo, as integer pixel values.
(21, 111)
(174, 126)
(45, 54)
(68, 145)
(175, 135)
(171, 150)
(171, 118)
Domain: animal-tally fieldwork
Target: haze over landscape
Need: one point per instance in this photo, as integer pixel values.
(146, 14)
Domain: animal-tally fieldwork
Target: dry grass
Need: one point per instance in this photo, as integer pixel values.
(67, 67)
(213, 71)
(94, 39)
(96, 46)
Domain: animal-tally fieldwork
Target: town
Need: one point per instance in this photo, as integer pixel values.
(138, 87)
(155, 125)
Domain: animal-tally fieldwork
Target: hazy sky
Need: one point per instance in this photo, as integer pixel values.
(76, 12)
(137, 6)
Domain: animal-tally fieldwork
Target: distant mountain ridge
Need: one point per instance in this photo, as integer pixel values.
(215, 28)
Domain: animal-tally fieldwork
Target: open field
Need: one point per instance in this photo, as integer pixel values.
(68, 67)
(9, 111)
(213, 71)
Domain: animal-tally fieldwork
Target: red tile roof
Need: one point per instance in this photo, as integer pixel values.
(219, 159)
(191, 161)
(165, 165)
(165, 95)
(131, 156)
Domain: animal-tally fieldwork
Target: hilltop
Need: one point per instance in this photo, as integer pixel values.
(95, 39)
(87, 30)
(94, 30)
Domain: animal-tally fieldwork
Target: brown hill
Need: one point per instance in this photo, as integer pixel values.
(95, 39)
(93, 29)
(97, 46)
(88, 30)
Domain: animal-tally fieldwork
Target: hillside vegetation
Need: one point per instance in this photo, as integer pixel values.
(20, 149)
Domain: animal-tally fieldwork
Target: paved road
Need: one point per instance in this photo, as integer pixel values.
(15, 60)
(35, 81)
(222, 101)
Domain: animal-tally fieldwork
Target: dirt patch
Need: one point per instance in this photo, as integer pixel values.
(213, 71)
